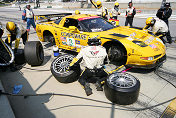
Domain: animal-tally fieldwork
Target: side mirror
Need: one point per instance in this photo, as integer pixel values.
(73, 29)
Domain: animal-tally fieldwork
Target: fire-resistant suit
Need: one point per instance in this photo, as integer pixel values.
(92, 58)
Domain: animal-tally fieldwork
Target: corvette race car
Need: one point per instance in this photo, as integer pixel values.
(129, 45)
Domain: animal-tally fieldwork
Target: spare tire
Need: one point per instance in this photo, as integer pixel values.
(122, 88)
(60, 69)
(19, 57)
(34, 54)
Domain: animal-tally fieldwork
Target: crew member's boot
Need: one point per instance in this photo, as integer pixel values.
(87, 89)
(98, 86)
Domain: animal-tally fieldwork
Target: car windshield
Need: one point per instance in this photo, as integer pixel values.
(96, 25)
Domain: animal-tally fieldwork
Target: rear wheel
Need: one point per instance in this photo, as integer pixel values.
(60, 69)
(34, 54)
(122, 88)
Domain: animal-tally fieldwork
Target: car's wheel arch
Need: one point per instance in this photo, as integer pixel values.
(108, 44)
(47, 33)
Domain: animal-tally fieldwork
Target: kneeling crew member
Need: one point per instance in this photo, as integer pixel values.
(14, 33)
(92, 58)
(158, 27)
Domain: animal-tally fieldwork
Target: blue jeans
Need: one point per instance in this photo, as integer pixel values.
(30, 21)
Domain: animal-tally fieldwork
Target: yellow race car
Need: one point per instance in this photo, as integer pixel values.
(131, 46)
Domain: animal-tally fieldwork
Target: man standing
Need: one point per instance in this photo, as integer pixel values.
(98, 6)
(28, 16)
(164, 14)
(115, 11)
(130, 12)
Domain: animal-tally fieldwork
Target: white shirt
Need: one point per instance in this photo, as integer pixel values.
(114, 12)
(130, 11)
(29, 13)
(160, 27)
(93, 56)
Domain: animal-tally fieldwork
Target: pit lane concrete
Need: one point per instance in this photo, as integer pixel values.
(153, 89)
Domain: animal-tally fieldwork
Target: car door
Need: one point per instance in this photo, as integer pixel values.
(72, 39)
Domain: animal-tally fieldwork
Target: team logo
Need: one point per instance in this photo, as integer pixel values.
(94, 52)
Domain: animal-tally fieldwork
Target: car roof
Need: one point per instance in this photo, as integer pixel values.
(80, 16)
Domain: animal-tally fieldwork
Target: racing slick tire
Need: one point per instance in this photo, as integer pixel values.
(60, 69)
(34, 54)
(19, 57)
(122, 88)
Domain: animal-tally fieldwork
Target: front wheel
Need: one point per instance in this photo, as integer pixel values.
(115, 53)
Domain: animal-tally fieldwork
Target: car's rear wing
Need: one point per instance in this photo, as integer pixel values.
(48, 17)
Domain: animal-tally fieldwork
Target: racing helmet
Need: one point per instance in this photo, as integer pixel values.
(99, 5)
(150, 21)
(10, 26)
(94, 41)
(77, 12)
(167, 4)
(116, 4)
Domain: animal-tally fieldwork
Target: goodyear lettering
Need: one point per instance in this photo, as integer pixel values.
(71, 35)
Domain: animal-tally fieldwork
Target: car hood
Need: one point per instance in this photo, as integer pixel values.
(132, 37)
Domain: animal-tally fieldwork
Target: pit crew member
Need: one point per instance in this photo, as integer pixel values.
(14, 33)
(158, 27)
(130, 12)
(92, 58)
(77, 12)
(98, 6)
(115, 11)
(28, 16)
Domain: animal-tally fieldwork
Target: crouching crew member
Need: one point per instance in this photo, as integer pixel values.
(158, 27)
(92, 59)
(14, 33)
(28, 16)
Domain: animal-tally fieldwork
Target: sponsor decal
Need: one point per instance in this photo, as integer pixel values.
(151, 38)
(94, 52)
(78, 46)
(63, 39)
(71, 42)
(153, 46)
(77, 42)
(72, 35)
(129, 38)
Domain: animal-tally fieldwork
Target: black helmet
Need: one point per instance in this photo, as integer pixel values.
(167, 4)
(94, 41)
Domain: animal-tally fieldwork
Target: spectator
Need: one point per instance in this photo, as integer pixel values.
(164, 14)
(28, 16)
(130, 12)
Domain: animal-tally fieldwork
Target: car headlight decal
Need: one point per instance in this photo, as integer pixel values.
(146, 58)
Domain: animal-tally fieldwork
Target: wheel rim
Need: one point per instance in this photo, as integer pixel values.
(122, 80)
(61, 64)
(114, 54)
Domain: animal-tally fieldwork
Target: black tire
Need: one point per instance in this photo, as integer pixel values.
(19, 57)
(59, 69)
(34, 54)
(115, 53)
(122, 88)
(50, 38)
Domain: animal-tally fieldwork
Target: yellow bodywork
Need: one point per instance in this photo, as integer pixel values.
(73, 39)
